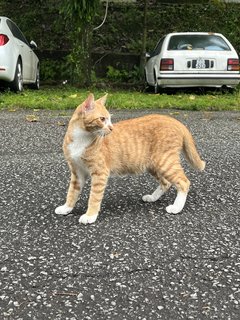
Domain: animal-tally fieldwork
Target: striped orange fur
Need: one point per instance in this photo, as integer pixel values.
(96, 148)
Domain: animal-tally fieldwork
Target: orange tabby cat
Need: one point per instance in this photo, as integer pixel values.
(94, 147)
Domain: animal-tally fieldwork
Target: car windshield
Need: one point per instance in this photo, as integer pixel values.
(197, 42)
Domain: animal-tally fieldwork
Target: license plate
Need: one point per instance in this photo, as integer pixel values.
(200, 63)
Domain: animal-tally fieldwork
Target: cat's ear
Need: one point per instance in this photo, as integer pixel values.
(88, 104)
(102, 100)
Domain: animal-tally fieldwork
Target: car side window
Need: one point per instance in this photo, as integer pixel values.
(158, 47)
(16, 32)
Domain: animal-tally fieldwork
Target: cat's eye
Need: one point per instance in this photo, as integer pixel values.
(103, 119)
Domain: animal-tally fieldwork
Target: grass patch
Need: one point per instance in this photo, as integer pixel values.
(64, 98)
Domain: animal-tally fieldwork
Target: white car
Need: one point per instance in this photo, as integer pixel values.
(192, 59)
(19, 64)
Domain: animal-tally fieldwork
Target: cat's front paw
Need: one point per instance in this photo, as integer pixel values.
(86, 219)
(63, 210)
(173, 209)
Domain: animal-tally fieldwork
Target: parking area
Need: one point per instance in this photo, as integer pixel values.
(137, 261)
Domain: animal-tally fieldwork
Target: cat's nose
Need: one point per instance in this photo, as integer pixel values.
(110, 127)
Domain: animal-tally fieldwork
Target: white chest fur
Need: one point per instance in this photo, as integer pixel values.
(81, 140)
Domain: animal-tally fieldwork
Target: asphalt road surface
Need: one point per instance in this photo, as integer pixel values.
(137, 261)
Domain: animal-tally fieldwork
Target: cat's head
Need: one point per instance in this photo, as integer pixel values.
(94, 116)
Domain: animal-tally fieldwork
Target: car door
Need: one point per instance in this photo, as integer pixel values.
(24, 49)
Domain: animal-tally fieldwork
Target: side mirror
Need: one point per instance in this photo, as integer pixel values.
(33, 45)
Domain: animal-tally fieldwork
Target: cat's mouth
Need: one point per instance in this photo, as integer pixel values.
(104, 132)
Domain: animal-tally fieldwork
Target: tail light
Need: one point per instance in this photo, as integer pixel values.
(3, 39)
(167, 64)
(233, 65)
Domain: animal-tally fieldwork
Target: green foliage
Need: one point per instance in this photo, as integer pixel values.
(79, 11)
(68, 25)
(122, 75)
(79, 14)
(52, 70)
(123, 28)
(116, 75)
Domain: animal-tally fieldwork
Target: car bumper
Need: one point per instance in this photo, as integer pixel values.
(198, 80)
(7, 64)
(5, 75)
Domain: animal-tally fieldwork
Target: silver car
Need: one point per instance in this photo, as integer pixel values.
(19, 64)
(192, 59)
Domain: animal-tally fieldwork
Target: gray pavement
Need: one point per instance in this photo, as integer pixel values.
(137, 261)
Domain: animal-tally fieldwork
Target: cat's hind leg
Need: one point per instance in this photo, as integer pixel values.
(181, 182)
(161, 189)
(154, 196)
(178, 204)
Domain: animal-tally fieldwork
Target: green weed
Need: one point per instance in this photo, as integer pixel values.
(65, 97)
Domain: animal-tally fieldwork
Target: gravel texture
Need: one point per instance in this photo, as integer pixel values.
(137, 261)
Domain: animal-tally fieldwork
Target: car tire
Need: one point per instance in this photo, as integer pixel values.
(17, 83)
(36, 84)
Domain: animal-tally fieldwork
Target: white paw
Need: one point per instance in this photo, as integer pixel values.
(85, 219)
(173, 209)
(154, 196)
(147, 198)
(64, 210)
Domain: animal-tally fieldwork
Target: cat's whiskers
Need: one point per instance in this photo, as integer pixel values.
(101, 132)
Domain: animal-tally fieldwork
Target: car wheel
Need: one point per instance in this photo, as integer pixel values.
(17, 83)
(36, 84)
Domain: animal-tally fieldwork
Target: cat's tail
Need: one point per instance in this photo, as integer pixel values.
(191, 152)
